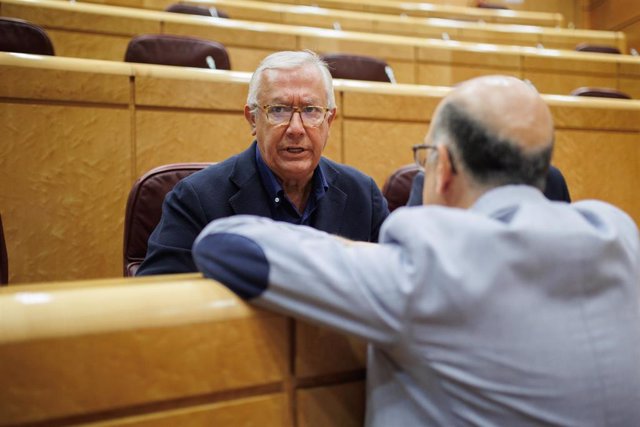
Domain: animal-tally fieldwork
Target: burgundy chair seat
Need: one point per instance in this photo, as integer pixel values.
(357, 67)
(190, 9)
(21, 36)
(597, 48)
(600, 92)
(181, 51)
(144, 209)
(397, 187)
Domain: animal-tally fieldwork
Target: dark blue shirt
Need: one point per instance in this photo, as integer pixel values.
(281, 207)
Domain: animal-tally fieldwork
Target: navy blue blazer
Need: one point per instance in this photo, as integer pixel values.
(353, 207)
(555, 187)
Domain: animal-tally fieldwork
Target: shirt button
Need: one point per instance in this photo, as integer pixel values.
(277, 199)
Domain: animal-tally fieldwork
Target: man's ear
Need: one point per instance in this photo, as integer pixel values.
(251, 118)
(444, 170)
(332, 115)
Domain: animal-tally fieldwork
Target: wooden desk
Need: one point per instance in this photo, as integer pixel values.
(102, 32)
(509, 34)
(481, 32)
(430, 10)
(176, 350)
(77, 133)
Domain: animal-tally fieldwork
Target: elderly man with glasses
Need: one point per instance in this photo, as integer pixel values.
(489, 306)
(282, 175)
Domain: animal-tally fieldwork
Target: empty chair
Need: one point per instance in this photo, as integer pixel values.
(397, 187)
(144, 209)
(587, 47)
(358, 67)
(485, 5)
(190, 9)
(21, 36)
(4, 259)
(182, 51)
(600, 92)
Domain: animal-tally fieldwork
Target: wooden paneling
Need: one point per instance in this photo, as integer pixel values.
(415, 60)
(339, 405)
(65, 177)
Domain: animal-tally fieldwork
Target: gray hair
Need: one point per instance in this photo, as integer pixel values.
(289, 60)
(490, 160)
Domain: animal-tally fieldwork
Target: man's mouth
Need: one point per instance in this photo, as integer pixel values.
(294, 150)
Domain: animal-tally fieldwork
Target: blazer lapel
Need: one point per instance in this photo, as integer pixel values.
(251, 198)
(331, 208)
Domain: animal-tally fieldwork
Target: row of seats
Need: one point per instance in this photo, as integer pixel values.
(20, 36)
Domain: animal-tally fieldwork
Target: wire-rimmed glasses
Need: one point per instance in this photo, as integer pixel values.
(311, 115)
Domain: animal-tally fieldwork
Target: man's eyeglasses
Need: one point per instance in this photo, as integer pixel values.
(311, 115)
(421, 154)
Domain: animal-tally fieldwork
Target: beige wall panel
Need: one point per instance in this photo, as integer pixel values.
(505, 37)
(254, 38)
(632, 32)
(139, 366)
(370, 105)
(569, 40)
(577, 62)
(64, 176)
(164, 137)
(448, 75)
(387, 51)
(404, 72)
(320, 351)
(563, 84)
(630, 68)
(247, 59)
(86, 45)
(598, 114)
(190, 93)
(378, 148)
(267, 411)
(321, 21)
(63, 85)
(489, 57)
(94, 21)
(630, 86)
(612, 175)
(613, 14)
(333, 149)
(339, 405)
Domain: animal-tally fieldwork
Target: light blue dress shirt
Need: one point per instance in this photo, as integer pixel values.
(517, 312)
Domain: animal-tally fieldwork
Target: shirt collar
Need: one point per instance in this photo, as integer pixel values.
(502, 198)
(274, 188)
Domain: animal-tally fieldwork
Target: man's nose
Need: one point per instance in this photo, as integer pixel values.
(295, 124)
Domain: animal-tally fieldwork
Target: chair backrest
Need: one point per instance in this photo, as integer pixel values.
(397, 187)
(192, 9)
(144, 208)
(4, 259)
(600, 92)
(485, 5)
(21, 36)
(597, 48)
(358, 67)
(181, 51)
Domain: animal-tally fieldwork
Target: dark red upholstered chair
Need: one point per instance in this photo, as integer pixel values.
(21, 36)
(358, 67)
(397, 187)
(181, 51)
(597, 48)
(600, 92)
(144, 209)
(485, 5)
(191, 9)
(4, 259)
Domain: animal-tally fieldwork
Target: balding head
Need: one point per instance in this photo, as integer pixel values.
(498, 129)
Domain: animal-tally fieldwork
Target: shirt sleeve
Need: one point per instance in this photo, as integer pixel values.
(169, 246)
(355, 287)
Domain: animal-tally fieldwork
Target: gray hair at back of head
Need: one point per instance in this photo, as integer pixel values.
(489, 159)
(288, 60)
